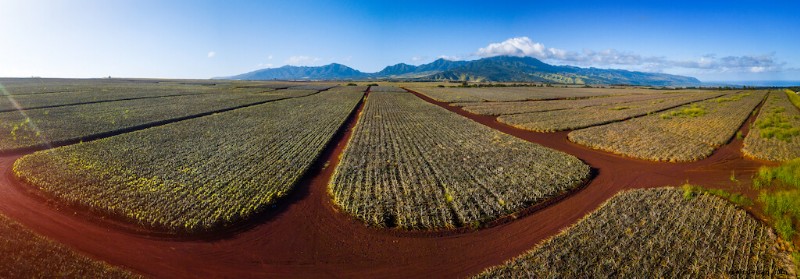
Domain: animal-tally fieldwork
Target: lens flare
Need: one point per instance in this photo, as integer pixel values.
(41, 136)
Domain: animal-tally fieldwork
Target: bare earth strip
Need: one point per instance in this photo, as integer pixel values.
(656, 233)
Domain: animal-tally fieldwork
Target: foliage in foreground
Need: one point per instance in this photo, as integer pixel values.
(414, 165)
(657, 233)
(783, 206)
(197, 174)
(24, 254)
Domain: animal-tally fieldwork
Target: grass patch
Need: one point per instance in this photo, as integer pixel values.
(690, 191)
(731, 98)
(693, 110)
(783, 206)
(793, 97)
(787, 174)
(620, 108)
(777, 125)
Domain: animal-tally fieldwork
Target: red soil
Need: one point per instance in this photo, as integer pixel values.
(306, 236)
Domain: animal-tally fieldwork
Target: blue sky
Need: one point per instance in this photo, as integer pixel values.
(713, 41)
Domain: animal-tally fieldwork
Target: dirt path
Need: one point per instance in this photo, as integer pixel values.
(307, 237)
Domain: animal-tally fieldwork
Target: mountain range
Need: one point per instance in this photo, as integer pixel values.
(493, 69)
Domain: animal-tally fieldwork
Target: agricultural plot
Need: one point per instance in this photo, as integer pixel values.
(775, 136)
(507, 108)
(24, 254)
(413, 165)
(657, 233)
(42, 127)
(508, 94)
(386, 89)
(571, 119)
(687, 133)
(31, 101)
(197, 174)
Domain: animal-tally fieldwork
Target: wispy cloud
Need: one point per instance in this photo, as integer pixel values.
(211, 54)
(302, 60)
(524, 46)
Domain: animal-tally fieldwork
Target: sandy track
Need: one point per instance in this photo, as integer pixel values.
(305, 236)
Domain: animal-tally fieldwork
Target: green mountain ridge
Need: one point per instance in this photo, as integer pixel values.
(494, 69)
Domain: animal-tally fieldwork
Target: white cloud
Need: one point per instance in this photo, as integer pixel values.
(417, 59)
(211, 54)
(519, 46)
(302, 60)
(524, 46)
(269, 57)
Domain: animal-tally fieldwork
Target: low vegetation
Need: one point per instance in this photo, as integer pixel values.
(780, 195)
(198, 174)
(689, 135)
(794, 97)
(48, 126)
(657, 233)
(507, 94)
(413, 165)
(775, 136)
(24, 254)
(508, 108)
(570, 119)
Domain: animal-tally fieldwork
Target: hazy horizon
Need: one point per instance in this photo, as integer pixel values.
(712, 41)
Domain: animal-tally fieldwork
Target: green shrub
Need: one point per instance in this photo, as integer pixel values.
(793, 97)
(693, 110)
(782, 206)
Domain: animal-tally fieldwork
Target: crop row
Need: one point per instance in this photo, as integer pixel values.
(414, 165)
(687, 133)
(42, 127)
(10, 102)
(386, 89)
(24, 254)
(197, 174)
(19, 87)
(657, 233)
(506, 108)
(507, 94)
(571, 119)
(775, 136)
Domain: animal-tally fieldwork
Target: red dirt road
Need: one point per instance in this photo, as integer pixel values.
(306, 237)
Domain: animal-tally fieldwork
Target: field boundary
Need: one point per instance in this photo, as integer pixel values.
(60, 143)
(99, 102)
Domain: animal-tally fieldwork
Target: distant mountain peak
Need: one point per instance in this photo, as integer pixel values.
(496, 68)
